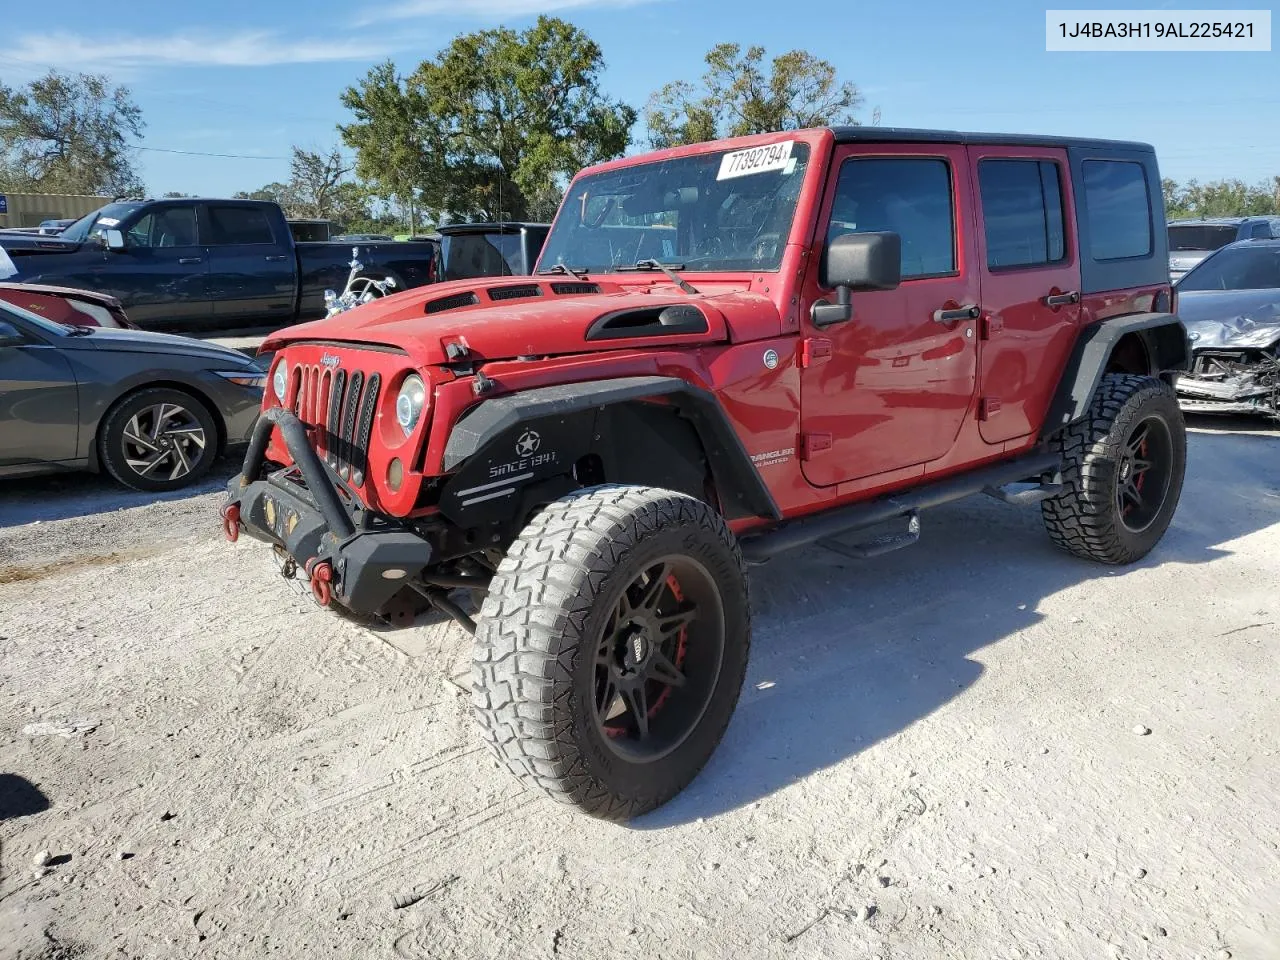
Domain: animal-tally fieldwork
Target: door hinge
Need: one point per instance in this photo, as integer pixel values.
(991, 325)
(813, 443)
(814, 350)
(988, 408)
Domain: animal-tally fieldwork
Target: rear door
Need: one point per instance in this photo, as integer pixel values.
(39, 406)
(1030, 274)
(889, 389)
(252, 269)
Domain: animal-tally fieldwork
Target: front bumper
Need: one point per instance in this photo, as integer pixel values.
(1243, 393)
(305, 510)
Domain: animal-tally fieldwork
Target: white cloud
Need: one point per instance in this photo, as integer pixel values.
(486, 9)
(257, 48)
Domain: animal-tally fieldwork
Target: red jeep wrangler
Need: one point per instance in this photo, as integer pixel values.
(728, 350)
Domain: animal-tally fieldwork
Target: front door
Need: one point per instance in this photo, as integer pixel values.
(39, 409)
(160, 275)
(1030, 285)
(890, 388)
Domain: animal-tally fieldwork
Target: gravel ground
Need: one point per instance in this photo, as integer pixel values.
(978, 748)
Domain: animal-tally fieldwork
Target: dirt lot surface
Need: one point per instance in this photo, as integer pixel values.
(939, 754)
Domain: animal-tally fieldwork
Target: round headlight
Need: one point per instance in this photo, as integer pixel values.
(280, 380)
(413, 395)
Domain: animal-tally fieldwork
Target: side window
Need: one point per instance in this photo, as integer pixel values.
(1021, 212)
(165, 227)
(1260, 231)
(908, 196)
(1119, 209)
(230, 225)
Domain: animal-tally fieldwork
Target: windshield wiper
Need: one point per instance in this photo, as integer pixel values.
(668, 268)
(578, 272)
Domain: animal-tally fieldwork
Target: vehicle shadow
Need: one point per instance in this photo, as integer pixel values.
(64, 496)
(849, 653)
(19, 797)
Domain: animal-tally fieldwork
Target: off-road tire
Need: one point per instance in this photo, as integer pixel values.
(1084, 519)
(111, 451)
(536, 642)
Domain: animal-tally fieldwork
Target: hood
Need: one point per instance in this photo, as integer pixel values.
(1231, 318)
(36, 243)
(145, 341)
(495, 319)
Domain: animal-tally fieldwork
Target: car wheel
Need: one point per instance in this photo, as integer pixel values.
(612, 647)
(1123, 466)
(158, 439)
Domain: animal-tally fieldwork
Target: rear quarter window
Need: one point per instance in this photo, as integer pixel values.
(1117, 203)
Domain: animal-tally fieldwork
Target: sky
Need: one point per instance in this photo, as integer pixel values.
(249, 78)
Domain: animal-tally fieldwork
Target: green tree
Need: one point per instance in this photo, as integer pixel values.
(1221, 198)
(740, 95)
(492, 127)
(319, 188)
(70, 134)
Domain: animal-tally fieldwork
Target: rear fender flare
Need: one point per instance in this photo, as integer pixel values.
(662, 431)
(1164, 340)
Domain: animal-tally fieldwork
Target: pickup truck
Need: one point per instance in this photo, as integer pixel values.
(195, 264)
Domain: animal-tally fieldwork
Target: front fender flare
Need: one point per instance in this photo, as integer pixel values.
(574, 411)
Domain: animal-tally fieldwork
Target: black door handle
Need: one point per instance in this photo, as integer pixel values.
(189, 260)
(276, 258)
(968, 312)
(1061, 299)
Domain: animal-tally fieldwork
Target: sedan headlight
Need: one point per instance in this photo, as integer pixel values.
(280, 381)
(251, 377)
(409, 404)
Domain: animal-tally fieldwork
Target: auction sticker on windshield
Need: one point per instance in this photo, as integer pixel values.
(742, 163)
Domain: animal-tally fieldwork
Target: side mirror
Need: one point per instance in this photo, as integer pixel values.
(113, 240)
(857, 261)
(10, 336)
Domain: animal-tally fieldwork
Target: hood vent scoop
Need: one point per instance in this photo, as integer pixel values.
(570, 288)
(518, 292)
(467, 299)
(667, 321)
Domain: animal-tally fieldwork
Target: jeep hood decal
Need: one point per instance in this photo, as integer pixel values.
(530, 317)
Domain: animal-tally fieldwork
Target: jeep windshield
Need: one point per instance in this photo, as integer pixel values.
(730, 210)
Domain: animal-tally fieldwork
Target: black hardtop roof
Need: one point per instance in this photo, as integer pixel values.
(913, 135)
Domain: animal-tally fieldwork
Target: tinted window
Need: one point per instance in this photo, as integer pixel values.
(1021, 212)
(1118, 208)
(1260, 231)
(1200, 237)
(909, 197)
(165, 227)
(1240, 268)
(470, 255)
(239, 225)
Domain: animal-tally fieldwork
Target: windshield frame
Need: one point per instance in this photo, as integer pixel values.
(810, 148)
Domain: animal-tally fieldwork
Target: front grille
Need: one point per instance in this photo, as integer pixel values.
(340, 407)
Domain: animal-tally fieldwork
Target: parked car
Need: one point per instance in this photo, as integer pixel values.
(150, 409)
(1230, 304)
(499, 249)
(192, 264)
(363, 238)
(53, 227)
(1190, 241)
(727, 350)
(67, 305)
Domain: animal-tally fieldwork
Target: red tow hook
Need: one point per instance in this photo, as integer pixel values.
(321, 575)
(231, 522)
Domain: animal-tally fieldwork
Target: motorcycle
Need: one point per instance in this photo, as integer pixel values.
(358, 290)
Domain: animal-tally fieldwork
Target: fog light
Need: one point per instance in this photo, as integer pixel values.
(394, 574)
(395, 474)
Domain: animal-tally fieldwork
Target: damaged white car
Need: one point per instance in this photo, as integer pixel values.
(1230, 304)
